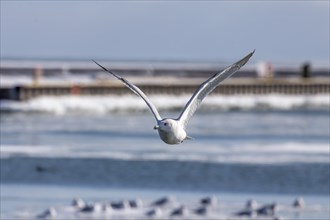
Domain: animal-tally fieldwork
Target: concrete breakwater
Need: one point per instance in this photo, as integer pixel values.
(171, 86)
(22, 80)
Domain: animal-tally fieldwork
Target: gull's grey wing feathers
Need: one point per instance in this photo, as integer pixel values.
(208, 86)
(136, 90)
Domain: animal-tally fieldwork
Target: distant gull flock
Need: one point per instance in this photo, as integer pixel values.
(164, 208)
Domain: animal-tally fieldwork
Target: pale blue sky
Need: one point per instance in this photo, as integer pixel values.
(280, 31)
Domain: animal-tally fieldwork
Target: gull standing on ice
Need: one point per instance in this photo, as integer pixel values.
(172, 131)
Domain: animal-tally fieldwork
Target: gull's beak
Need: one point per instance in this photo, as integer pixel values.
(156, 127)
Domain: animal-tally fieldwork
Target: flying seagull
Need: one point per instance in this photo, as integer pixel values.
(172, 131)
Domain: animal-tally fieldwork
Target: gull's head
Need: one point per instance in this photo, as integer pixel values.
(165, 125)
(171, 131)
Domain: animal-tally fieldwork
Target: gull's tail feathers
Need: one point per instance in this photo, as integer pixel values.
(189, 138)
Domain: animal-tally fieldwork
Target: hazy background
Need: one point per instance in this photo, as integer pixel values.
(269, 146)
(281, 31)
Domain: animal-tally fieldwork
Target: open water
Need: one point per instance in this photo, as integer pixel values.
(271, 148)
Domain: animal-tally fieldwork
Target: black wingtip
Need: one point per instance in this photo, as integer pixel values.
(251, 53)
(243, 61)
(100, 66)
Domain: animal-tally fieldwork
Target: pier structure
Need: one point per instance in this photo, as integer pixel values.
(156, 78)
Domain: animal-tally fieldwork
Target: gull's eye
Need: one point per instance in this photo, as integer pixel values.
(165, 124)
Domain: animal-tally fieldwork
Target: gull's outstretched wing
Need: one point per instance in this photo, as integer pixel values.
(136, 90)
(208, 86)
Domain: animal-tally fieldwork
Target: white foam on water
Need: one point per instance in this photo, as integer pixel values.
(128, 103)
(248, 153)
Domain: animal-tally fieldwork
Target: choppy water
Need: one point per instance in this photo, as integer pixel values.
(261, 149)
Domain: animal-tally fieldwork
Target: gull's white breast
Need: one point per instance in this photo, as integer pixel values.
(175, 135)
